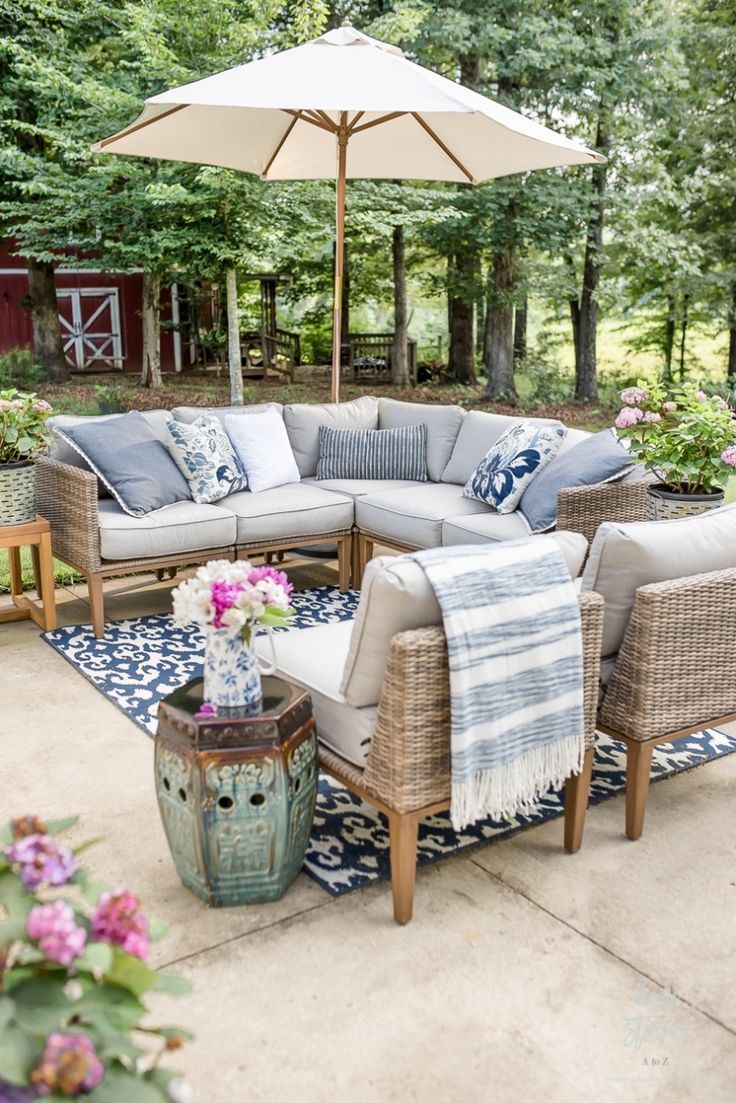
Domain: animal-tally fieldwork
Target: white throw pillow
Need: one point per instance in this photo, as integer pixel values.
(624, 557)
(397, 596)
(263, 448)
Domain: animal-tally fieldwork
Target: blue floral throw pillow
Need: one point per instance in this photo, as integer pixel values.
(518, 455)
(205, 456)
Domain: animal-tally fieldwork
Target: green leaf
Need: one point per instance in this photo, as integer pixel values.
(171, 984)
(18, 902)
(7, 1010)
(56, 826)
(157, 929)
(130, 973)
(109, 1007)
(97, 958)
(121, 1086)
(41, 1004)
(18, 1055)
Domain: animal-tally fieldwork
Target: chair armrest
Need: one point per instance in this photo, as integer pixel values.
(67, 497)
(583, 508)
(408, 763)
(676, 668)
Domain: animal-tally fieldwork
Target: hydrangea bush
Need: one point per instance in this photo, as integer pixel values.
(224, 595)
(73, 971)
(23, 432)
(686, 437)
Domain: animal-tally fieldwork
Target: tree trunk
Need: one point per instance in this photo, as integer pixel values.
(151, 310)
(48, 349)
(461, 358)
(574, 302)
(235, 363)
(586, 371)
(499, 361)
(520, 322)
(731, 370)
(399, 351)
(683, 334)
(669, 337)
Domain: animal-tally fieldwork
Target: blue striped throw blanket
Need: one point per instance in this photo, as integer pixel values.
(512, 622)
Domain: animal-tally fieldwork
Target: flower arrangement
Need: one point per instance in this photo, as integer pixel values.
(23, 432)
(224, 595)
(72, 973)
(686, 437)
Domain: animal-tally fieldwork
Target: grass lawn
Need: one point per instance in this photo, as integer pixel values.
(63, 574)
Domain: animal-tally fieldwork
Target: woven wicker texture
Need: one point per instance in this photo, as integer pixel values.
(408, 764)
(583, 508)
(677, 665)
(67, 497)
(16, 494)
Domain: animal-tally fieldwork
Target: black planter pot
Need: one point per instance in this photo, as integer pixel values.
(663, 504)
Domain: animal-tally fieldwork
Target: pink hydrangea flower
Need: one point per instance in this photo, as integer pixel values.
(69, 1065)
(42, 859)
(652, 417)
(668, 407)
(628, 417)
(729, 456)
(279, 578)
(53, 927)
(117, 919)
(701, 396)
(632, 396)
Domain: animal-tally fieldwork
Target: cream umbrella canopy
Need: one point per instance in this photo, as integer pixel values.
(342, 106)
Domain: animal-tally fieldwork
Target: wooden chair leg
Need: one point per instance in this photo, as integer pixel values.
(344, 554)
(638, 765)
(577, 790)
(172, 572)
(16, 575)
(403, 831)
(44, 567)
(96, 604)
(355, 561)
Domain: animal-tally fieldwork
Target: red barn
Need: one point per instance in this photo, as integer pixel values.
(99, 315)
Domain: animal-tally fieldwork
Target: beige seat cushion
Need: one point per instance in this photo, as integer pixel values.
(443, 425)
(314, 658)
(178, 528)
(297, 509)
(396, 597)
(482, 528)
(624, 557)
(414, 517)
(357, 488)
(303, 421)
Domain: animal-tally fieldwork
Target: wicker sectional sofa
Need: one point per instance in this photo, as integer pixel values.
(91, 533)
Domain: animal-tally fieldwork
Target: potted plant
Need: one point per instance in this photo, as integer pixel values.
(73, 975)
(686, 438)
(23, 435)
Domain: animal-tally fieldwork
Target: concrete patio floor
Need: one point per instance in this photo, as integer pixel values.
(608, 975)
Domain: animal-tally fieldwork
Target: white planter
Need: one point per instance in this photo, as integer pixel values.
(17, 493)
(664, 504)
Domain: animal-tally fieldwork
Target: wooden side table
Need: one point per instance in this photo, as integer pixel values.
(37, 534)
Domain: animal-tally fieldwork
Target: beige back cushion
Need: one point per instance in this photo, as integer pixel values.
(303, 422)
(478, 432)
(624, 557)
(396, 597)
(443, 425)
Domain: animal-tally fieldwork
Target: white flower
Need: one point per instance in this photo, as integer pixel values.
(233, 618)
(73, 990)
(179, 1091)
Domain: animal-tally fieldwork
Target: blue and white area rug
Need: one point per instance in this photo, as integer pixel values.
(142, 660)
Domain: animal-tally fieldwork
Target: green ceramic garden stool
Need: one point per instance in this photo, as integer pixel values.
(237, 792)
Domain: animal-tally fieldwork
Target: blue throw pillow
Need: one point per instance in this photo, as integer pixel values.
(599, 459)
(373, 453)
(515, 459)
(135, 466)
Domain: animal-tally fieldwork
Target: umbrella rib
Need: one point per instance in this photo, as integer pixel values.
(443, 147)
(351, 126)
(280, 146)
(309, 119)
(139, 126)
(377, 122)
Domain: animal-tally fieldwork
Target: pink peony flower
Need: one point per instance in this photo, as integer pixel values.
(279, 578)
(224, 595)
(117, 919)
(652, 418)
(53, 927)
(729, 456)
(632, 396)
(69, 1065)
(41, 859)
(628, 417)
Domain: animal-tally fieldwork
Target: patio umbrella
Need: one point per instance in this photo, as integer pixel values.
(342, 106)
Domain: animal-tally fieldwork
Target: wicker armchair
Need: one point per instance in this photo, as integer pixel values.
(583, 508)
(407, 775)
(674, 675)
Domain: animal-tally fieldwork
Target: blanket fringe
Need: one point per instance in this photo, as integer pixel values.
(504, 790)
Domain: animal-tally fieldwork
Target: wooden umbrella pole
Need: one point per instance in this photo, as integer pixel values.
(342, 149)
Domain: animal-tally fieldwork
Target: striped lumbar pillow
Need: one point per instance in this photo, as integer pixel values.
(373, 453)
